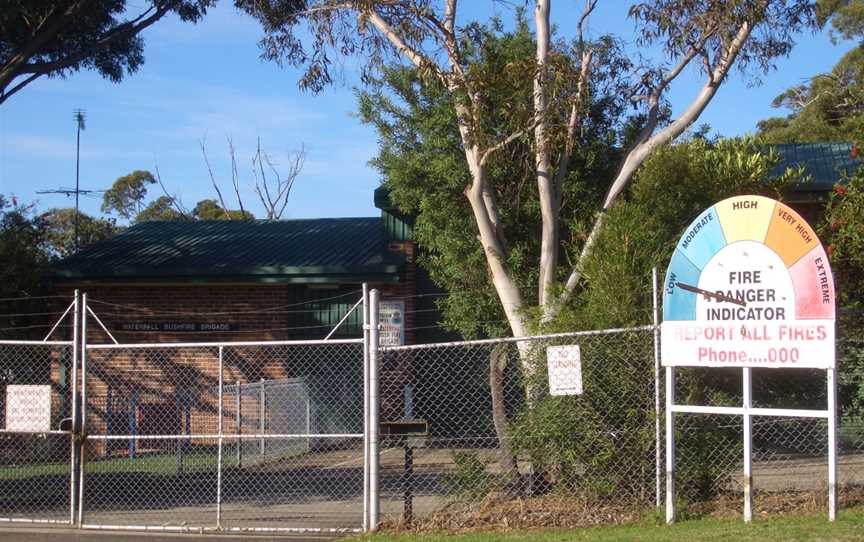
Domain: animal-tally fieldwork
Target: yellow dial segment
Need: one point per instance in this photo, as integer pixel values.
(745, 218)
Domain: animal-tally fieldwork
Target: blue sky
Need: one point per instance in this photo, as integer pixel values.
(206, 82)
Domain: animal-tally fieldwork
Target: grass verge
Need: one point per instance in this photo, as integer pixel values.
(812, 527)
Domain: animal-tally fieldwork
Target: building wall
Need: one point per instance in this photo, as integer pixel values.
(175, 390)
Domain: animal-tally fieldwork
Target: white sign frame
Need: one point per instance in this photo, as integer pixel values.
(564, 365)
(28, 408)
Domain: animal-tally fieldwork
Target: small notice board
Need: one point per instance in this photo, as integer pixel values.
(565, 369)
(391, 315)
(28, 408)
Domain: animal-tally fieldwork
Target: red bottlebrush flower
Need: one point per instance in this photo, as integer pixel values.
(855, 151)
(840, 190)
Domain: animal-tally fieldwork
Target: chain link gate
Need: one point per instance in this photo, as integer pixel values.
(262, 437)
(39, 451)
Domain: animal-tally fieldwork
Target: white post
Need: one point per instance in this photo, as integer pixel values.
(373, 412)
(238, 428)
(658, 469)
(261, 414)
(747, 382)
(670, 445)
(73, 445)
(83, 411)
(365, 407)
(219, 449)
(832, 444)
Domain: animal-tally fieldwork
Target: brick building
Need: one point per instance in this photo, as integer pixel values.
(230, 281)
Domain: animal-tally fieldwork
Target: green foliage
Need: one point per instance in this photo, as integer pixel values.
(60, 230)
(842, 230)
(673, 187)
(845, 16)
(162, 208)
(827, 108)
(126, 196)
(22, 235)
(209, 209)
(470, 478)
(57, 37)
(423, 164)
(595, 442)
(23, 261)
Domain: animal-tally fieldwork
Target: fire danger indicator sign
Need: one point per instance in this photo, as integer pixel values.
(749, 285)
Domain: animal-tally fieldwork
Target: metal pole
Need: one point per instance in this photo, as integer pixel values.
(238, 424)
(261, 413)
(80, 120)
(748, 445)
(365, 407)
(658, 469)
(219, 449)
(83, 434)
(73, 444)
(832, 444)
(670, 445)
(373, 412)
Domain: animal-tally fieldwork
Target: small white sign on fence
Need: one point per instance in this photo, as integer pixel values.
(391, 316)
(28, 408)
(565, 369)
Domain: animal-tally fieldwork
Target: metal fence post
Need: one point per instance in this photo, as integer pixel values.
(83, 411)
(747, 381)
(73, 440)
(238, 424)
(219, 449)
(658, 469)
(670, 445)
(373, 412)
(261, 413)
(832, 443)
(365, 407)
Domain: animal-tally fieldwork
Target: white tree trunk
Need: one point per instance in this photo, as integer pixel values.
(547, 191)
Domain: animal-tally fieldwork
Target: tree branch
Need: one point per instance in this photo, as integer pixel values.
(213, 180)
(643, 149)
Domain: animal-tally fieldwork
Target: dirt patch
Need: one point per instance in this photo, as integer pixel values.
(498, 513)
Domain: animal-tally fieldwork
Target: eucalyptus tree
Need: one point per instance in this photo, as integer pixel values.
(709, 37)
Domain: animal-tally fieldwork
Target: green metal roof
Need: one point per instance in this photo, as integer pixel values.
(826, 163)
(316, 250)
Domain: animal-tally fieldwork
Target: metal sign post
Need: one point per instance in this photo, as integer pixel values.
(749, 285)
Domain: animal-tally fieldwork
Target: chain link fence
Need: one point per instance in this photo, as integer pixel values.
(496, 434)
(270, 436)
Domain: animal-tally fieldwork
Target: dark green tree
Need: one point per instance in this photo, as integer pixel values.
(209, 209)
(162, 208)
(24, 262)
(55, 38)
(60, 230)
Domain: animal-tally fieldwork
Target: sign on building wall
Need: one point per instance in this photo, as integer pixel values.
(391, 316)
(28, 408)
(565, 370)
(749, 285)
